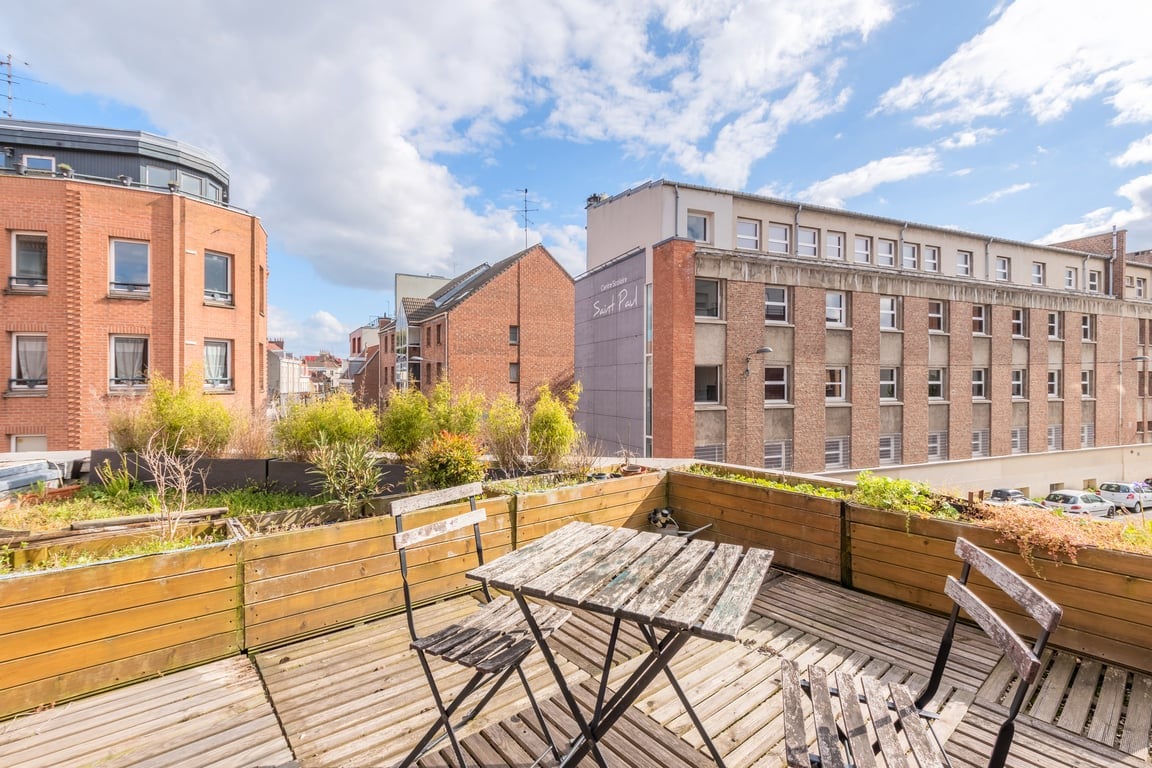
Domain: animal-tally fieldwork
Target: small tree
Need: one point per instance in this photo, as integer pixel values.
(180, 418)
(406, 422)
(551, 430)
(505, 433)
(173, 471)
(459, 413)
(336, 419)
(444, 461)
(350, 472)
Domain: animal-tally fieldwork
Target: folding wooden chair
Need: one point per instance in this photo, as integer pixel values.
(882, 724)
(493, 641)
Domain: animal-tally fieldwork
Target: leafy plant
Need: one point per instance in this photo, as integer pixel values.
(336, 419)
(551, 430)
(456, 412)
(444, 461)
(350, 471)
(406, 422)
(179, 418)
(505, 433)
(907, 496)
(117, 486)
(807, 488)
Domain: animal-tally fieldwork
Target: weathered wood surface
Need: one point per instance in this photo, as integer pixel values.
(405, 539)
(435, 498)
(619, 502)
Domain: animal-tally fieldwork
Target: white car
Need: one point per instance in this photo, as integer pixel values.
(1080, 503)
(1134, 497)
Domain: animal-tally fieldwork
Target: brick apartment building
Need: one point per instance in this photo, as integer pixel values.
(769, 333)
(500, 328)
(123, 259)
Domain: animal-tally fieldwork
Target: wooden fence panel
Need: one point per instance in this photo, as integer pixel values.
(621, 502)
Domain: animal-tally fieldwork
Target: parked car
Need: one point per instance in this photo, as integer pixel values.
(1006, 494)
(1018, 501)
(1080, 503)
(1134, 496)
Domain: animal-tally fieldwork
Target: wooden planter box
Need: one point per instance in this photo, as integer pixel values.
(804, 530)
(80, 630)
(297, 476)
(622, 502)
(1105, 594)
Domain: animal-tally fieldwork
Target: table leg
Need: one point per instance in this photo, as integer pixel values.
(612, 638)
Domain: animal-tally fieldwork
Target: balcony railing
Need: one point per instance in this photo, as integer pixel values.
(218, 297)
(26, 283)
(117, 287)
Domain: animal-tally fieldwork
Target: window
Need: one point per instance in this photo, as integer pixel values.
(889, 313)
(748, 234)
(217, 278)
(157, 177)
(1087, 435)
(936, 384)
(1019, 322)
(214, 191)
(937, 317)
(886, 253)
(980, 318)
(1038, 273)
(937, 446)
(931, 258)
(699, 227)
(835, 380)
(714, 452)
(964, 263)
(1055, 437)
(1088, 383)
(217, 364)
(778, 455)
(440, 333)
(1094, 281)
(979, 383)
(1054, 384)
(889, 384)
(29, 260)
(29, 361)
(806, 241)
(863, 252)
(1141, 288)
(1003, 269)
(513, 334)
(890, 452)
(707, 298)
(129, 364)
(261, 284)
(836, 309)
(190, 184)
(1088, 327)
(775, 304)
(1070, 277)
(834, 245)
(836, 454)
(779, 240)
(981, 443)
(129, 267)
(1019, 439)
(910, 256)
(1055, 325)
(1019, 384)
(776, 384)
(514, 373)
(29, 443)
(708, 384)
(45, 163)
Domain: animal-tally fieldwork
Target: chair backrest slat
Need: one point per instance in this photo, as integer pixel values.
(1021, 656)
(435, 498)
(405, 539)
(1046, 613)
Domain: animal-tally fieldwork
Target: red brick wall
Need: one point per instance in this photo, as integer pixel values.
(864, 376)
(808, 373)
(673, 348)
(744, 312)
(999, 431)
(80, 219)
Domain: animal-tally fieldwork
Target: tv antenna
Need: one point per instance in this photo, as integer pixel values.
(524, 212)
(9, 79)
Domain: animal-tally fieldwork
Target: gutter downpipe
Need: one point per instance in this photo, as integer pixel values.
(676, 211)
(988, 258)
(796, 233)
(1111, 266)
(901, 254)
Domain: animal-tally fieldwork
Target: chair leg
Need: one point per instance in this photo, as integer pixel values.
(444, 720)
(539, 714)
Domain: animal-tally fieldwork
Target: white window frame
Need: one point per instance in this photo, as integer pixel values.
(51, 163)
(719, 298)
(719, 385)
(1019, 323)
(777, 455)
(1055, 384)
(128, 382)
(124, 286)
(807, 241)
(1070, 277)
(224, 382)
(889, 450)
(980, 319)
(890, 384)
(834, 246)
(979, 383)
(937, 446)
(964, 263)
(781, 303)
(981, 443)
(1087, 435)
(1088, 327)
(213, 295)
(699, 219)
(1056, 325)
(1019, 440)
(1094, 281)
(28, 281)
(937, 316)
(1141, 288)
(779, 238)
(890, 309)
(778, 381)
(748, 234)
(28, 384)
(885, 253)
(1003, 269)
(835, 316)
(1019, 384)
(835, 384)
(910, 256)
(1039, 273)
(1055, 437)
(937, 380)
(931, 258)
(41, 444)
(862, 249)
(1087, 383)
(836, 453)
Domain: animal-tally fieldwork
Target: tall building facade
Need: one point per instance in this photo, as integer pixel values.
(124, 260)
(771, 333)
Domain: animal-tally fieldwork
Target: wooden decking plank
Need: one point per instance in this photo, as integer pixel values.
(1051, 691)
(1109, 706)
(1080, 696)
(1138, 717)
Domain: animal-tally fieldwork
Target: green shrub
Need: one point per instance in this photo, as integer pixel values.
(338, 419)
(350, 471)
(505, 434)
(551, 430)
(406, 422)
(907, 496)
(444, 461)
(807, 488)
(181, 418)
(458, 413)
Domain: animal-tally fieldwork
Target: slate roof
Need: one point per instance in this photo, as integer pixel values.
(458, 289)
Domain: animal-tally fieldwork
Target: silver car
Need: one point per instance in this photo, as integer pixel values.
(1134, 496)
(1080, 503)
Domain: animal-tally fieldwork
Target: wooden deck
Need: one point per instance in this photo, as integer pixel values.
(357, 697)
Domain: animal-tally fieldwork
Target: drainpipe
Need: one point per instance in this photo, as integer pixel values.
(900, 255)
(1111, 264)
(988, 258)
(676, 211)
(796, 232)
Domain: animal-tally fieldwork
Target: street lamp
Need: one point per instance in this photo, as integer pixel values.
(1142, 391)
(748, 360)
(748, 396)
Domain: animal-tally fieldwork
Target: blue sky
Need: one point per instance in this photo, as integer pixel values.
(372, 138)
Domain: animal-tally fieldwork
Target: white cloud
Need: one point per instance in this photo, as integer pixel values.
(320, 331)
(961, 172)
(835, 190)
(1138, 152)
(1001, 193)
(969, 138)
(1044, 55)
(1136, 218)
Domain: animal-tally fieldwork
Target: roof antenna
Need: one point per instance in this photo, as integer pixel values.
(524, 212)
